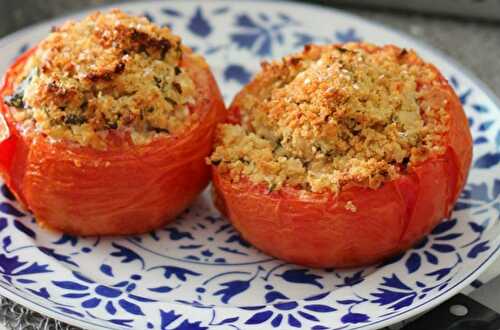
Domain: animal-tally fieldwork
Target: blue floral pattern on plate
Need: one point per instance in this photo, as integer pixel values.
(198, 273)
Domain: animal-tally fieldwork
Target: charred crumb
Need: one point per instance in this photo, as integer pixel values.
(171, 101)
(403, 53)
(14, 100)
(277, 146)
(96, 76)
(84, 106)
(161, 130)
(215, 162)
(295, 60)
(130, 93)
(119, 68)
(157, 81)
(405, 162)
(177, 87)
(177, 70)
(106, 75)
(144, 41)
(142, 49)
(244, 161)
(75, 119)
(164, 48)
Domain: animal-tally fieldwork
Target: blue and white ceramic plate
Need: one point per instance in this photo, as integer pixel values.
(198, 273)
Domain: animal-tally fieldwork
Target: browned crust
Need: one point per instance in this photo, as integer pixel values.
(333, 115)
(107, 71)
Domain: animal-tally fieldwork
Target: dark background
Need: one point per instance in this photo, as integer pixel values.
(464, 33)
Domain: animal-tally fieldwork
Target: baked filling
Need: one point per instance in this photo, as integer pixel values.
(110, 71)
(333, 116)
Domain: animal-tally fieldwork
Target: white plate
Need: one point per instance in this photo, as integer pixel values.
(197, 273)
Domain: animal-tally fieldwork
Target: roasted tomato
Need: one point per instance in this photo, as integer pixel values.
(124, 188)
(358, 224)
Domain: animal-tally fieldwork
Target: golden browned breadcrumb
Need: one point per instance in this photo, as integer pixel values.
(110, 71)
(351, 207)
(333, 115)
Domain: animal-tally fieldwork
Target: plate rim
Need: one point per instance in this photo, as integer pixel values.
(395, 318)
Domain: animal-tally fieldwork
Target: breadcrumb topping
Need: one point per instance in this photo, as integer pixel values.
(334, 115)
(351, 207)
(110, 71)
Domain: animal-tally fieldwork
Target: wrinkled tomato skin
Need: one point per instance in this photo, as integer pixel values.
(319, 230)
(125, 189)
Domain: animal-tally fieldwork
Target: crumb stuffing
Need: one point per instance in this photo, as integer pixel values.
(110, 71)
(334, 115)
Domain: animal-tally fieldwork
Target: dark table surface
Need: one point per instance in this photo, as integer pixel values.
(475, 44)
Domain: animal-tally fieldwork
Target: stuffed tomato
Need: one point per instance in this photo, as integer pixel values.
(342, 155)
(106, 126)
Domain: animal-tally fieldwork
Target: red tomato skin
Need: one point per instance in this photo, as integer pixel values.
(126, 189)
(318, 230)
